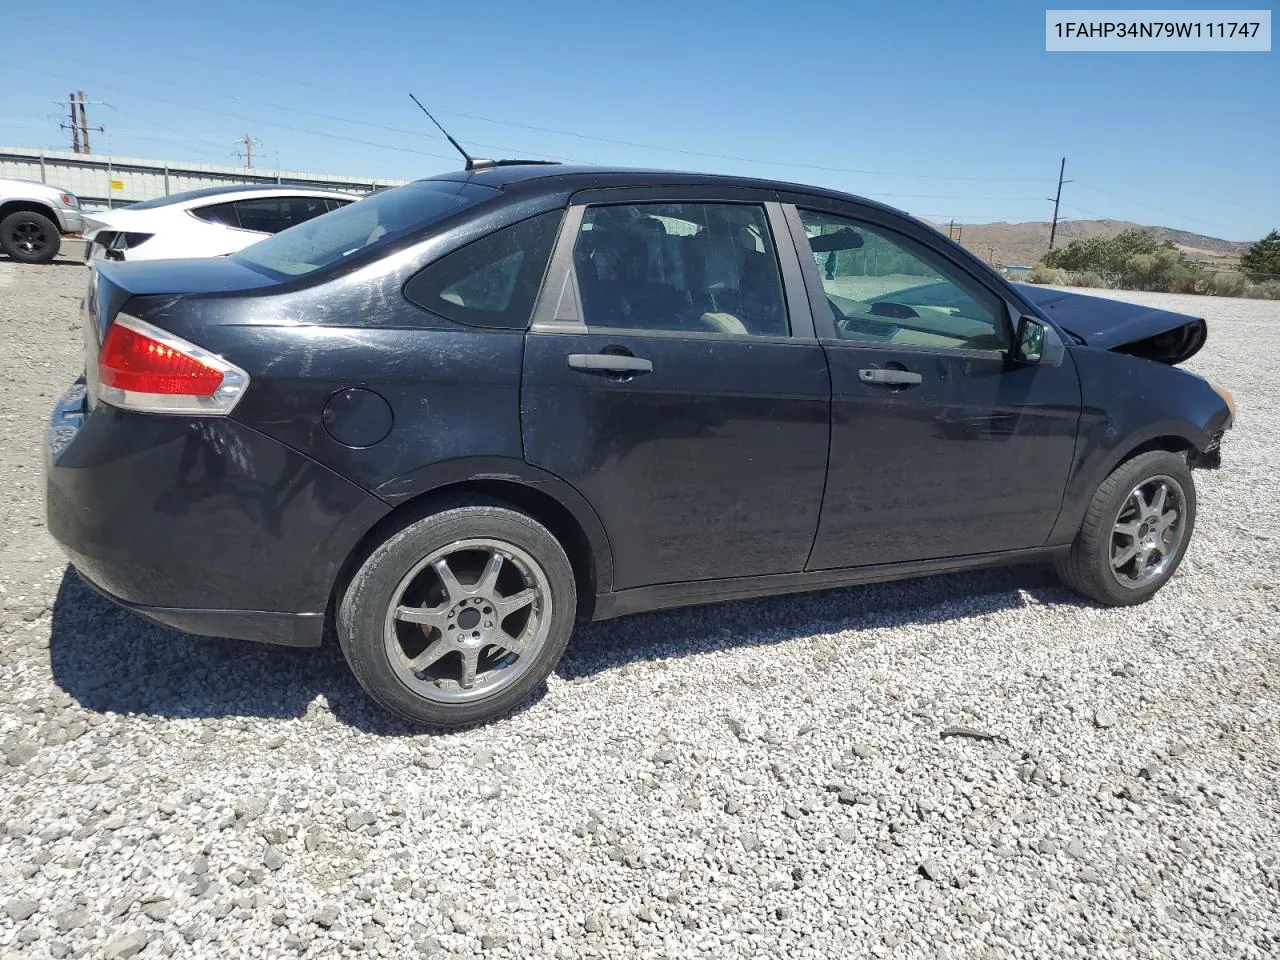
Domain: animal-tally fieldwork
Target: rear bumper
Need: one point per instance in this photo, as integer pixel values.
(200, 523)
(287, 629)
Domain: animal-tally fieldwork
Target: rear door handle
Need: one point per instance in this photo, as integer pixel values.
(609, 363)
(904, 378)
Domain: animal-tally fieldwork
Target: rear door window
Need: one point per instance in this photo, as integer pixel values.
(301, 209)
(680, 267)
(493, 281)
(268, 215)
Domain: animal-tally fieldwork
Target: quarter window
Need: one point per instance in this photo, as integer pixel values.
(682, 267)
(493, 281)
(219, 213)
(885, 288)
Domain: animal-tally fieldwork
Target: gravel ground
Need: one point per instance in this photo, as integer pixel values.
(767, 778)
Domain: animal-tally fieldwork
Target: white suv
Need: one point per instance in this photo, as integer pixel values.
(33, 218)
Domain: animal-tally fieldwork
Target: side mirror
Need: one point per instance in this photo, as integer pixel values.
(1034, 341)
(1028, 340)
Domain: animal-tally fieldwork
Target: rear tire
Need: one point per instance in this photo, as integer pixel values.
(1129, 545)
(29, 237)
(440, 631)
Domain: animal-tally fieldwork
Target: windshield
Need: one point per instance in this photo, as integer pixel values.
(375, 221)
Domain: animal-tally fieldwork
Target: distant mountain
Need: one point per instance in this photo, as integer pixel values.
(1025, 243)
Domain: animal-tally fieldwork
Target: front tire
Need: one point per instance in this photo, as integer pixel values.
(1135, 532)
(29, 237)
(458, 617)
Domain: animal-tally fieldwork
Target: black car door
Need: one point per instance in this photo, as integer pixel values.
(672, 376)
(941, 444)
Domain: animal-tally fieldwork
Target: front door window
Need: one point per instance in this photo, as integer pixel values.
(885, 289)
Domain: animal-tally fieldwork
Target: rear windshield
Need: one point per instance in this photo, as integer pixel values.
(376, 221)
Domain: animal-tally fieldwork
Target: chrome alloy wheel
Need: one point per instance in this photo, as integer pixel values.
(1147, 534)
(468, 620)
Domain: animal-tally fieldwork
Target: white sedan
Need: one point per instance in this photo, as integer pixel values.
(203, 223)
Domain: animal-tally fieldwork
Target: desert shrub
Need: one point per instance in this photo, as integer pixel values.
(1107, 257)
(1050, 275)
(1268, 290)
(1221, 285)
(1159, 272)
(1085, 278)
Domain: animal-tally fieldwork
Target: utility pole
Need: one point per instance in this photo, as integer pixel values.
(950, 228)
(248, 142)
(960, 233)
(84, 124)
(75, 124)
(1053, 229)
(78, 115)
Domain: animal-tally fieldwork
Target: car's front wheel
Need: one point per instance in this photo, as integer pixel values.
(1135, 532)
(29, 237)
(458, 617)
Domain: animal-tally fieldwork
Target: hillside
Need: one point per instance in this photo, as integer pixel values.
(1025, 243)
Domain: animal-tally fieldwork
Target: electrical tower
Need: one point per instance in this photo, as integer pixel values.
(247, 154)
(78, 117)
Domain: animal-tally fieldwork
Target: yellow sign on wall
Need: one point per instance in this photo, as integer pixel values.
(117, 184)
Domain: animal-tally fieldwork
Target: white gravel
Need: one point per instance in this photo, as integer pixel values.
(767, 778)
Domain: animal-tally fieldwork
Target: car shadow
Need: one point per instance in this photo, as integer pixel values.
(690, 631)
(113, 661)
(58, 261)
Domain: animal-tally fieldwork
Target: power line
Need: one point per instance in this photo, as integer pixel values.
(567, 133)
(1091, 213)
(257, 120)
(420, 133)
(726, 156)
(1149, 206)
(309, 113)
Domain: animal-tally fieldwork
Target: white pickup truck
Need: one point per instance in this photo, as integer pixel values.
(33, 218)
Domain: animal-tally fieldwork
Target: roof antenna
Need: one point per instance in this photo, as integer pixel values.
(472, 162)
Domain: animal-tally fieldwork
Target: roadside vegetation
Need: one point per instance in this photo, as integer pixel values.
(1136, 260)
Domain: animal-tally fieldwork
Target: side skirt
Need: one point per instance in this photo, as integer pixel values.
(665, 595)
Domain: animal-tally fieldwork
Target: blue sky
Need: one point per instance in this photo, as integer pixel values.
(942, 109)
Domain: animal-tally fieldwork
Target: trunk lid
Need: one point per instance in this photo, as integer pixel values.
(1160, 335)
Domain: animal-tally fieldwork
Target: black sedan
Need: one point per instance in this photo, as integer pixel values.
(454, 418)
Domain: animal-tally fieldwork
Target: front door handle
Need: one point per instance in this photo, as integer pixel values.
(610, 363)
(897, 378)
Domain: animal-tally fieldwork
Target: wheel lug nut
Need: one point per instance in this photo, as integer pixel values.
(488, 624)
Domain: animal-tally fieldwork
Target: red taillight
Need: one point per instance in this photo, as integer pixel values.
(132, 361)
(142, 367)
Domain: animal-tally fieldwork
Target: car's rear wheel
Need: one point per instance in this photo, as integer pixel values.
(29, 237)
(1135, 532)
(457, 618)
